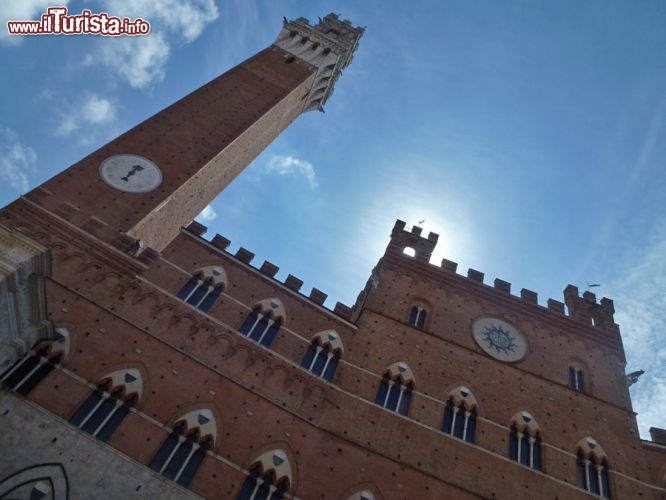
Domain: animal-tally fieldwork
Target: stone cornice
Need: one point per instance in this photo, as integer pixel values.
(56, 228)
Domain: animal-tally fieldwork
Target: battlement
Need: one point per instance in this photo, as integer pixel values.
(402, 240)
(328, 46)
(583, 309)
(269, 270)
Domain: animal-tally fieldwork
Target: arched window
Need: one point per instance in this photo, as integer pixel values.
(269, 477)
(460, 415)
(185, 448)
(105, 409)
(204, 288)
(576, 378)
(417, 317)
(525, 441)
(264, 321)
(29, 371)
(323, 355)
(395, 389)
(592, 466)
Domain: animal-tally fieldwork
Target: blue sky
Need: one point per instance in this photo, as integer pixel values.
(530, 135)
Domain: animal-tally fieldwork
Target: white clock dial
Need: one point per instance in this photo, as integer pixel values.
(130, 173)
(499, 339)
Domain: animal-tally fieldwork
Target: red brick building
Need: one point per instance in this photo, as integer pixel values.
(140, 360)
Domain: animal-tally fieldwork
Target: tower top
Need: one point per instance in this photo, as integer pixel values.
(329, 46)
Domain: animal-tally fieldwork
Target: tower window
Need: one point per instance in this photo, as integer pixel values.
(321, 360)
(183, 450)
(260, 327)
(576, 379)
(268, 479)
(592, 467)
(593, 476)
(395, 390)
(459, 421)
(29, 371)
(102, 413)
(180, 456)
(525, 441)
(394, 395)
(323, 354)
(258, 487)
(417, 317)
(204, 288)
(200, 294)
(525, 449)
(106, 408)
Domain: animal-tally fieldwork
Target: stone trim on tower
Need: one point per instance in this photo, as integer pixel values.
(329, 46)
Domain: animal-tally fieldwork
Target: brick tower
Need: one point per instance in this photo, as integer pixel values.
(140, 360)
(142, 187)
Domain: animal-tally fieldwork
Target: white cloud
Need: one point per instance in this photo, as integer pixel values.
(22, 10)
(288, 165)
(97, 110)
(93, 110)
(641, 304)
(16, 160)
(208, 213)
(141, 60)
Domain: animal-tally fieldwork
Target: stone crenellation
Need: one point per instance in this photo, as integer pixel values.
(584, 309)
(269, 270)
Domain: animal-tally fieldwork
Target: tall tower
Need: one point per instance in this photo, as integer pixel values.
(138, 190)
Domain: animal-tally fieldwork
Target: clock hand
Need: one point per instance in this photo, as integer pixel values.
(135, 169)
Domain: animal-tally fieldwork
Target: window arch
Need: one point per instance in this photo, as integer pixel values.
(525, 441)
(269, 477)
(29, 371)
(323, 355)
(264, 321)
(395, 389)
(204, 287)
(186, 446)
(417, 317)
(460, 414)
(577, 378)
(362, 495)
(592, 465)
(106, 408)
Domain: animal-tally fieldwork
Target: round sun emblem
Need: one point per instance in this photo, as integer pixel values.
(499, 339)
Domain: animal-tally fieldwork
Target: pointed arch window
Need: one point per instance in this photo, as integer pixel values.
(264, 322)
(525, 441)
(592, 466)
(105, 409)
(323, 355)
(395, 389)
(186, 446)
(460, 415)
(269, 478)
(204, 288)
(417, 317)
(576, 378)
(29, 371)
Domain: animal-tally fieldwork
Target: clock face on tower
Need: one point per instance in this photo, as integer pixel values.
(499, 339)
(130, 173)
